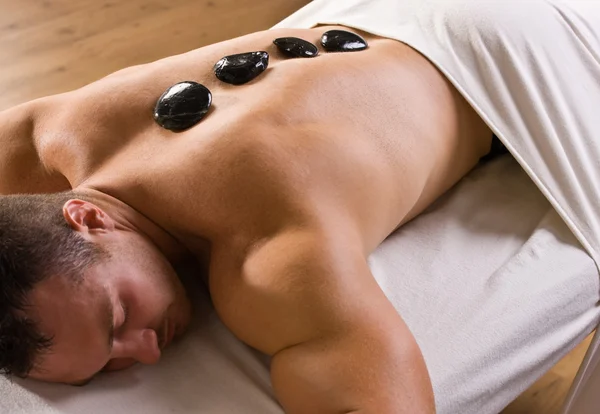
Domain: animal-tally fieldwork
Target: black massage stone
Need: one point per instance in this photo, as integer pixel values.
(241, 68)
(295, 47)
(182, 106)
(342, 41)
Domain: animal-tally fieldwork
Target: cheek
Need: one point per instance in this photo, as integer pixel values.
(147, 295)
(150, 288)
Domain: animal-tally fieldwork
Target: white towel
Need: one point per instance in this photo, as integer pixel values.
(494, 287)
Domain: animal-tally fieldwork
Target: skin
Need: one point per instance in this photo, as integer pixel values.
(281, 192)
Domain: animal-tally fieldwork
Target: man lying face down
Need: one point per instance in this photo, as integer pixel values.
(278, 160)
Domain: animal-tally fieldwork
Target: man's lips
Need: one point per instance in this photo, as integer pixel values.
(163, 334)
(167, 334)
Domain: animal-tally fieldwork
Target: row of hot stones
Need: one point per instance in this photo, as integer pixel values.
(185, 104)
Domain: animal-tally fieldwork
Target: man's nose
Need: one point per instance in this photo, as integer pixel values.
(138, 345)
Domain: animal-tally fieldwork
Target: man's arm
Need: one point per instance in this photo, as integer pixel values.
(338, 345)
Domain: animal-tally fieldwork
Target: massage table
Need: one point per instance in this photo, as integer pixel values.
(497, 280)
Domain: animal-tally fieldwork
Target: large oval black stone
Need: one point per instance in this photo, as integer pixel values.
(241, 68)
(342, 41)
(182, 106)
(296, 47)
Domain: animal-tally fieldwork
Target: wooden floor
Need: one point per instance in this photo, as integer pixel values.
(51, 46)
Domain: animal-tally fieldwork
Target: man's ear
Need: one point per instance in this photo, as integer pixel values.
(86, 217)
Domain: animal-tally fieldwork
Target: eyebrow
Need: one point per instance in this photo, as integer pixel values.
(109, 321)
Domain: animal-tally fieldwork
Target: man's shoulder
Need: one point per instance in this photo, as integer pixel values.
(262, 292)
(25, 163)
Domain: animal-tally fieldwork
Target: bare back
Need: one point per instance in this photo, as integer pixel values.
(369, 138)
(366, 140)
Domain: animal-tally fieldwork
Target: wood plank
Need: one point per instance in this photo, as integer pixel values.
(547, 395)
(60, 45)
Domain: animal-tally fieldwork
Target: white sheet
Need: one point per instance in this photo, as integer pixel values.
(490, 280)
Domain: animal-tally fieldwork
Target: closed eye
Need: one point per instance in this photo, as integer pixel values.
(125, 314)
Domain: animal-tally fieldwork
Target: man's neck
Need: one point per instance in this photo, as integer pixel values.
(128, 218)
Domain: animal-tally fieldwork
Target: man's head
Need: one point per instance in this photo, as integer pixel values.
(81, 290)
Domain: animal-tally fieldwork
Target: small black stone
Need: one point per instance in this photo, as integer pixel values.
(342, 41)
(241, 68)
(182, 106)
(296, 47)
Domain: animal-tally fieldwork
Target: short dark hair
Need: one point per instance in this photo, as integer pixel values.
(35, 242)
